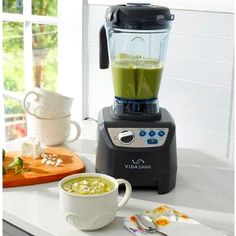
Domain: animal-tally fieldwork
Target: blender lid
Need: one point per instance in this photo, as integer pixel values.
(139, 16)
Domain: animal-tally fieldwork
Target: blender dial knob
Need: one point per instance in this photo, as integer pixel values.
(126, 136)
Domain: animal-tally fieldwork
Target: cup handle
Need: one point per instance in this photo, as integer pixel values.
(78, 131)
(128, 191)
(25, 100)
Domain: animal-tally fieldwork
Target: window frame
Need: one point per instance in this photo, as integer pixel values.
(27, 19)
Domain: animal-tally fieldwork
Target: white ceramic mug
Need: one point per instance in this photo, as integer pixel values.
(94, 211)
(46, 104)
(52, 132)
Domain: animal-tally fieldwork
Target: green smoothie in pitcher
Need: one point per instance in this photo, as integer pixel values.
(136, 78)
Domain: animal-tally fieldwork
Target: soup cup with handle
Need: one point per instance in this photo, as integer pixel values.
(92, 211)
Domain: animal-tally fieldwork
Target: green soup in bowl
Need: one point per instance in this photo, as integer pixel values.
(87, 185)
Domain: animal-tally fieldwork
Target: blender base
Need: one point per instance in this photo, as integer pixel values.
(146, 161)
(163, 185)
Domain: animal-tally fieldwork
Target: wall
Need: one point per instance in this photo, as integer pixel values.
(197, 85)
(69, 53)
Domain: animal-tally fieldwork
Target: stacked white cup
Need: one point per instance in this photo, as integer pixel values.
(49, 117)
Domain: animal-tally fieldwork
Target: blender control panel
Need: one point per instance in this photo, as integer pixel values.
(138, 137)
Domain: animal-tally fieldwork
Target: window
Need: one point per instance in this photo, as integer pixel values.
(29, 55)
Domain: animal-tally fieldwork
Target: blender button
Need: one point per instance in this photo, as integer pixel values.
(142, 133)
(152, 133)
(161, 133)
(152, 141)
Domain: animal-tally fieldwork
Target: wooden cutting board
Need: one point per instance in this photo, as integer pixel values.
(39, 173)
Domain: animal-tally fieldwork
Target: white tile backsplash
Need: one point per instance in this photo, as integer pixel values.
(201, 140)
(197, 82)
(93, 30)
(96, 15)
(200, 117)
(93, 55)
(232, 139)
(231, 148)
(200, 23)
(207, 48)
(199, 70)
(195, 94)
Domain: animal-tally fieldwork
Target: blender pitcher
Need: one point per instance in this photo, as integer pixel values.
(134, 41)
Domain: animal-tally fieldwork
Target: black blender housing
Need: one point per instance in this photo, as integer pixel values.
(160, 167)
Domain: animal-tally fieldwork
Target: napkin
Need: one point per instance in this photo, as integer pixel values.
(170, 222)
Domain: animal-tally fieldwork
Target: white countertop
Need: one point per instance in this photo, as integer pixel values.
(204, 190)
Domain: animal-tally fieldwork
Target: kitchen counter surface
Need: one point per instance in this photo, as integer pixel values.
(204, 190)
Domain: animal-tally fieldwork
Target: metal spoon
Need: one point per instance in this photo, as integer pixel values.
(146, 224)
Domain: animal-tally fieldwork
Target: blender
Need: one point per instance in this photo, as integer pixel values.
(136, 137)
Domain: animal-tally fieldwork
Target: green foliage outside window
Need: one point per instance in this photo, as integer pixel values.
(13, 63)
(44, 7)
(44, 45)
(44, 58)
(12, 6)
